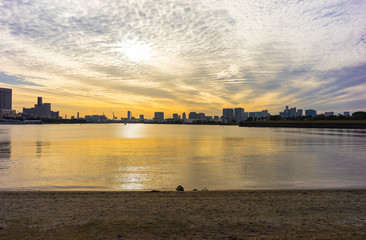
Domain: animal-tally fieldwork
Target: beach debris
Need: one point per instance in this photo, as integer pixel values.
(180, 188)
(195, 190)
(154, 190)
(205, 189)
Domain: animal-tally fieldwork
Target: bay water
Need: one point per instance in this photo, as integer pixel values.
(148, 156)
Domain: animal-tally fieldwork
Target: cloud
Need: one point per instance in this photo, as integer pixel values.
(208, 53)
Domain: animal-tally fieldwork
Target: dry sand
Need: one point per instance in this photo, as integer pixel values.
(293, 214)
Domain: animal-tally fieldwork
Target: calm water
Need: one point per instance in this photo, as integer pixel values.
(137, 157)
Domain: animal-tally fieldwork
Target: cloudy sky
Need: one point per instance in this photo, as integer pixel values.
(173, 56)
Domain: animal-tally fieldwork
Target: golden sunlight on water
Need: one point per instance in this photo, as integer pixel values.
(136, 157)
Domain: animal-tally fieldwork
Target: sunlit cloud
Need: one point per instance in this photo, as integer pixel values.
(174, 56)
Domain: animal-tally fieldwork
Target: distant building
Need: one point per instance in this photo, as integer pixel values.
(6, 98)
(41, 109)
(128, 115)
(346, 114)
(285, 113)
(184, 116)
(208, 118)
(176, 116)
(95, 118)
(310, 113)
(227, 115)
(299, 113)
(8, 113)
(292, 113)
(328, 114)
(262, 114)
(142, 117)
(239, 115)
(193, 115)
(159, 116)
(216, 118)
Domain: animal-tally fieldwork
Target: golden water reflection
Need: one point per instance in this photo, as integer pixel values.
(136, 157)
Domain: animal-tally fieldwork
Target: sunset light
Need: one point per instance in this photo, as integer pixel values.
(136, 51)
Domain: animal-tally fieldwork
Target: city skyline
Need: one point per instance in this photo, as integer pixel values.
(202, 56)
(238, 113)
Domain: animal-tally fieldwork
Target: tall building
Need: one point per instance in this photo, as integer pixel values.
(239, 115)
(184, 116)
(175, 116)
(5, 98)
(128, 115)
(227, 115)
(41, 110)
(159, 116)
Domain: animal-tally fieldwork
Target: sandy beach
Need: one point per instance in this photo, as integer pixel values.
(283, 214)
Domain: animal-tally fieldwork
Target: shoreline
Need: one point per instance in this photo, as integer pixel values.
(236, 214)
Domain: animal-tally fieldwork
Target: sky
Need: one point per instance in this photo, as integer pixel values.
(107, 56)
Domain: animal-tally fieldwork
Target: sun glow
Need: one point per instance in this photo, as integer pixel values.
(135, 51)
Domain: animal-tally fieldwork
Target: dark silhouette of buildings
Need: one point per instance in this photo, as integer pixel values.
(41, 109)
(227, 115)
(159, 116)
(5, 98)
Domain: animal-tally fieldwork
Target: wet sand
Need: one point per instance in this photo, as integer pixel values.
(283, 214)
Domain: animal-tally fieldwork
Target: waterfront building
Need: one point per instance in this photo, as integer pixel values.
(176, 116)
(6, 98)
(292, 113)
(259, 115)
(328, 114)
(239, 115)
(8, 113)
(159, 116)
(346, 114)
(208, 118)
(142, 117)
(41, 110)
(128, 115)
(227, 115)
(95, 118)
(285, 113)
(184, 116)
(299, 113)
(310, 113)
(216, 118)
(201, 116)
(193, 115)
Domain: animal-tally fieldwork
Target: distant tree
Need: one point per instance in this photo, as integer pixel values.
(275, 118)
(249, 119)
(359, 115)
